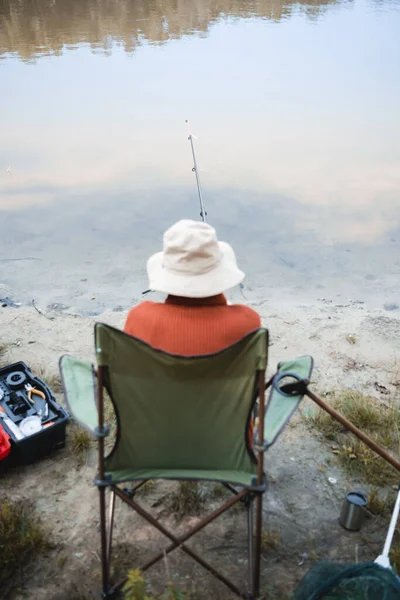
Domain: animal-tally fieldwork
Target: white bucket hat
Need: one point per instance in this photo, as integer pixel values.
(193, 263)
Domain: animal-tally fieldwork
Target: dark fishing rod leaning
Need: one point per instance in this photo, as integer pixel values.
(203, 213)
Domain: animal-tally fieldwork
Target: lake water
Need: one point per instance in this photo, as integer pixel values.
(295, 106)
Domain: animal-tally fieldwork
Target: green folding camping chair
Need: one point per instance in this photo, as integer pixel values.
(182, 418)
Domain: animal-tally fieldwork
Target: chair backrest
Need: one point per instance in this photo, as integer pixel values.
(180, 413)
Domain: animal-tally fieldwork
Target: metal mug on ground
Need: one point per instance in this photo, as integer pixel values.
(352, 513)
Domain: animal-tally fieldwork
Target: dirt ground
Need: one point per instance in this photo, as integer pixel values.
(353, 347)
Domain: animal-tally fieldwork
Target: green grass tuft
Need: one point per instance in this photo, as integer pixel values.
(22, 538)
(219, 492)
(188, 499)
(379, 506)
(135, 589)
(54, 383)
(379, 421)
(79, 441)
(394, 557)
(270, 539)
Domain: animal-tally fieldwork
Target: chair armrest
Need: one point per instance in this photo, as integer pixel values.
(79, 385)
(287, 390)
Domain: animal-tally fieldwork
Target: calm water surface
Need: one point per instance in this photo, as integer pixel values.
(296, 110)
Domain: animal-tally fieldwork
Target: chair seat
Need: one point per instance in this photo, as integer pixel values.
(234, 477)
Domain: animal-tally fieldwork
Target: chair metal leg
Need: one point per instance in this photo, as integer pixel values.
(250, 536)
(103, 535)
(102, 488)
(257, 557)
(260, 479)
(111, 512)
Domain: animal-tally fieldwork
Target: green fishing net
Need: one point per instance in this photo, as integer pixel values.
(335, 581)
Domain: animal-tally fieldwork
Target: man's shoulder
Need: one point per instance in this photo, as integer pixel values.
(246, 313)
(141, 312)
(144, 306)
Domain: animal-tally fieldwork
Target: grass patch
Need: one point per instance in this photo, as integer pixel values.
(54, 383)
(219, 492)
(379, 421)
(21, 539)
(270, 539)
(148, 487)
(379, 506)
(53, 380)
(135, 589)
(188, 499)
(79, 441)
(394, 556)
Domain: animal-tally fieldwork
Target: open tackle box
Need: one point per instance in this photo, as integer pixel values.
(33, 423)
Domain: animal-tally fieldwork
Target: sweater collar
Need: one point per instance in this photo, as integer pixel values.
(218, 300)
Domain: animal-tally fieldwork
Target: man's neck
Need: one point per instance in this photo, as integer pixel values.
(218, 300)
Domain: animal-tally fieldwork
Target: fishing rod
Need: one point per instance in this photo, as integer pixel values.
(203, 213)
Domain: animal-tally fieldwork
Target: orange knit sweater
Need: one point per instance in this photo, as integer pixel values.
(191, 326)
